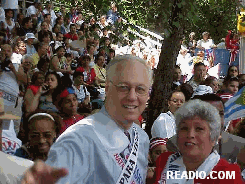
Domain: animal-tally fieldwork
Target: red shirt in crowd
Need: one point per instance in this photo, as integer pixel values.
(70, 36)
(90, 76)
(33, 88)
(70, 121)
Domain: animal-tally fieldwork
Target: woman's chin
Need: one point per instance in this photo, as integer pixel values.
(192, 156)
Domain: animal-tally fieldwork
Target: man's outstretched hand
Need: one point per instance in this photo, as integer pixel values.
(41, 173)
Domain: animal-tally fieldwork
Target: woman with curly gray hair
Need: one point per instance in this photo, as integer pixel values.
(198, 126)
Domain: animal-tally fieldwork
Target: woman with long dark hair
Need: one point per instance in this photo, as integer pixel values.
(43, 97)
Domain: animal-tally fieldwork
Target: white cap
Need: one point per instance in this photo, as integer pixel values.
(202, 89)
(29, 35)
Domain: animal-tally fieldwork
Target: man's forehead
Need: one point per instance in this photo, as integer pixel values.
(123, 67)
(127, 63)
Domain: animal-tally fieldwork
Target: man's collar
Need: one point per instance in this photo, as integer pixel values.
(109, 132)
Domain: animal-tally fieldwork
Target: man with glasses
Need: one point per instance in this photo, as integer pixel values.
(164, 126)
(107, 147)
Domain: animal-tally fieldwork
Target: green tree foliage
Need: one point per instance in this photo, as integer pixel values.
(214, 16)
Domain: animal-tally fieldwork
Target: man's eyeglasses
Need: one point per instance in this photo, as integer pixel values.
(125, 89)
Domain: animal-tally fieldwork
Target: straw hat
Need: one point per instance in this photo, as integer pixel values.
(4, 115)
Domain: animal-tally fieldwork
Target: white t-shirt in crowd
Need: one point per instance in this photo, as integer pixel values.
(10, 27)
(9, 84)
(206, 44)
(81, 93)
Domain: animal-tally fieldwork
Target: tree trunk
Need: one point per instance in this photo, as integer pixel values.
(164, 74)
(163, 78)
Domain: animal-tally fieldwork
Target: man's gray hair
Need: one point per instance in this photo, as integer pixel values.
(111, 67)
(203, 110)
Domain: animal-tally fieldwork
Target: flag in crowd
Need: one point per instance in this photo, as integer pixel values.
(235, 106)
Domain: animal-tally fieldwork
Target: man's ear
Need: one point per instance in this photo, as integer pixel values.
(168, 103)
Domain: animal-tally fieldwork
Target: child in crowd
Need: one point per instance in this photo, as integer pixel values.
(65, 99)
(157, 147)
(83, 96)
(230, 88)
(232, 85)
(213, 83)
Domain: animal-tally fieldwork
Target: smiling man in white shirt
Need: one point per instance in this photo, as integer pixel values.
(107, 147)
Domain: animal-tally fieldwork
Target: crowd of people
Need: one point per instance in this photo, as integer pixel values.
(204, 50)
(78, 100)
